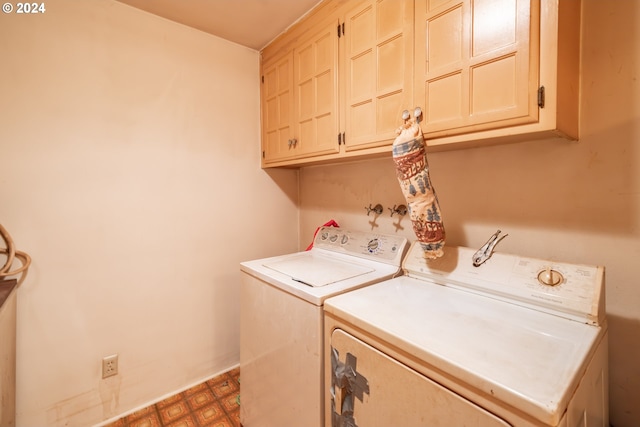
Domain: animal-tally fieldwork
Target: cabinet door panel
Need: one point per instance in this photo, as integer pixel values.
(485, 98)
(444, 44)
(277, 109)
(386, 114)
(316, 93)
(494, 25)
(477, 67)
(377, 71)
(446, 99)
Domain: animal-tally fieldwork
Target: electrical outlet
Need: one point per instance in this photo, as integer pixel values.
(109, 365)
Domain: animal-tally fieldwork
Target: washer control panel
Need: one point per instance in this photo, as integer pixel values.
(375, 246)
(571, 290)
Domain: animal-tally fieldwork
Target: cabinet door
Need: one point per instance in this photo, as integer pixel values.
(377, 70)
(277, 109)
(315, 64)
(476, 64)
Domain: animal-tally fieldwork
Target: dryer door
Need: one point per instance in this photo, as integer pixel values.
(369, 388)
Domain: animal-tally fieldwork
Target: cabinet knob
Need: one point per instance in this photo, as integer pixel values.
(417, 113)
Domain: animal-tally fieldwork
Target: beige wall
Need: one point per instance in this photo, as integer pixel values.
(570, 201)
(129, 171)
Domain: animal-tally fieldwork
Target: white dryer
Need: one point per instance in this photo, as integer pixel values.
(514, 342)
(281, 320)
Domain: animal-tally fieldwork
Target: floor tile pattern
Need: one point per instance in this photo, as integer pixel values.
(213, 403)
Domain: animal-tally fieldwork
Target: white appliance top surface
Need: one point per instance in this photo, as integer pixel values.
(524, 357)
(528, 358)
(340, 261)
(317, 269)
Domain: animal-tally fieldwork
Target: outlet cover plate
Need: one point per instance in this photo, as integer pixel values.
(110, 366)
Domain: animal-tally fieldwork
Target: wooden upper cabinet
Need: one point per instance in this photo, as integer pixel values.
(277, 109)
(299, 98)
(476, 64)
(315, 68)
(376, 70)
(482, 71)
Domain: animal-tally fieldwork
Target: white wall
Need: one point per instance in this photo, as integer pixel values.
(569, 201)
(130, 173)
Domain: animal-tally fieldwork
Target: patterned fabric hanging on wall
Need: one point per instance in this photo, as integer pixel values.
(412, 169)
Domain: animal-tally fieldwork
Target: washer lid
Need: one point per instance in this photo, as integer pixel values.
(355, 272)
(315, 269)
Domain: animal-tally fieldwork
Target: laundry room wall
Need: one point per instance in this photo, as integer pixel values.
(130, 172)
(567, 201)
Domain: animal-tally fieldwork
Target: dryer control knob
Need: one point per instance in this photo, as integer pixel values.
(550, 277)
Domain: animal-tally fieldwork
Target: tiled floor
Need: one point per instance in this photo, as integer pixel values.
(214, 403)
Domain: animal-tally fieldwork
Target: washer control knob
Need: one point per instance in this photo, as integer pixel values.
(373, 245)
(550, 277)
(333, 238)
(344, 239)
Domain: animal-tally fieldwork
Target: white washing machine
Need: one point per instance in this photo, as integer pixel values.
(281, 321)
(514, 342)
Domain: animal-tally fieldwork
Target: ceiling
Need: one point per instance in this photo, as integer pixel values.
(251, 23)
